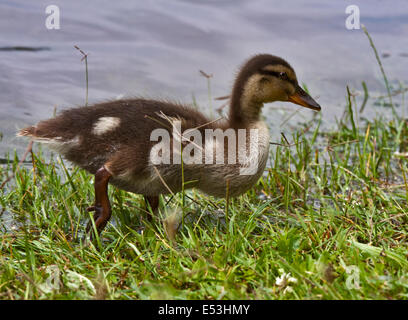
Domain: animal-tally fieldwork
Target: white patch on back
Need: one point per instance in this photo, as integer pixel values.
(105, 124)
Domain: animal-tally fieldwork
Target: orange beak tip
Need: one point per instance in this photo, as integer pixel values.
(301, 98)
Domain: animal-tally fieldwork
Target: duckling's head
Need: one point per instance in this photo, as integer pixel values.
(266, 78)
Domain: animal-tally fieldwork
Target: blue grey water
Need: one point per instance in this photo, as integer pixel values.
(156, 49)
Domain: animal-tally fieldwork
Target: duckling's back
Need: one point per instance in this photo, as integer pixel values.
(112, 131)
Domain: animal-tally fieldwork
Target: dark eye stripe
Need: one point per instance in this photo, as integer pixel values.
(277, 75)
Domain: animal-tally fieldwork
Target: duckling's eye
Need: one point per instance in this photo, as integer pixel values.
(283, 76)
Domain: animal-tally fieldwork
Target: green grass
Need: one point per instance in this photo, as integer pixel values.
(331, 206)
(327, 221)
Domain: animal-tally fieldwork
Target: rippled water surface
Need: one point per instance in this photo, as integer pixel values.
(156, 49)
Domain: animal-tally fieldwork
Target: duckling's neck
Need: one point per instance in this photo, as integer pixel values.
(245, 108)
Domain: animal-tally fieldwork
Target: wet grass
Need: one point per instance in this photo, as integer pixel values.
(327, 221)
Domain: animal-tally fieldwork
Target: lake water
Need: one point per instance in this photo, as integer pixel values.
(156, 49)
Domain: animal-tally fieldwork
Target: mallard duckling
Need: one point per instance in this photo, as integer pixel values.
(114, 140)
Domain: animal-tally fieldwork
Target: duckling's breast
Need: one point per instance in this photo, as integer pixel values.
(241, 176)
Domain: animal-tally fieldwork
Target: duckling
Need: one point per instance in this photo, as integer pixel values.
(114, 140)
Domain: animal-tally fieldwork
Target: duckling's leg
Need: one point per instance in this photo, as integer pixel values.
(153, 201)
(102, 206)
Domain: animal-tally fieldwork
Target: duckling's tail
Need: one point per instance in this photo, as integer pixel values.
(57, 143)
(27, 132)
(40, 135)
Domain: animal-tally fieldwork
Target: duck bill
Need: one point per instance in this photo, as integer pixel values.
(301, 98)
